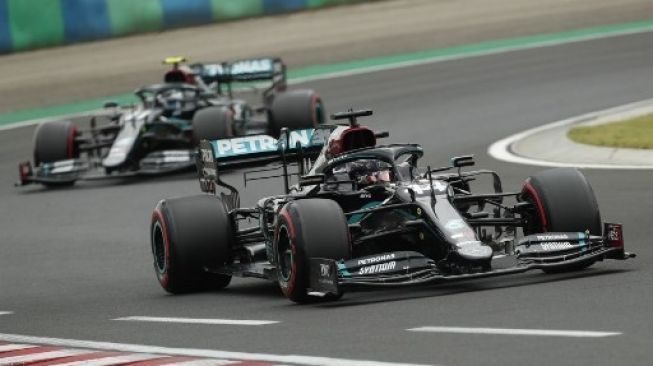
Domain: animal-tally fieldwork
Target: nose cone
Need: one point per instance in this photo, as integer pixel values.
(475, 251)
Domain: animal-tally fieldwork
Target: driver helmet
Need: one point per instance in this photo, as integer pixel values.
(173, 100)
(368, 172)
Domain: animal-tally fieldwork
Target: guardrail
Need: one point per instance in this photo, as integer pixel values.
(29, 24)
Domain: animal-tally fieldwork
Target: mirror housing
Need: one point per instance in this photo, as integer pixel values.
(462, 161)
(382, 134)
(311, 180)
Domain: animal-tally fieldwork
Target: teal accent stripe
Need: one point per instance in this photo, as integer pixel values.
(61, 110)
(378, 63)
(357, 217)
(496, 46)
(582, 242)
(343, 270)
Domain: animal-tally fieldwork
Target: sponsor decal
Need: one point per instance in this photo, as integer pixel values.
(207, 155)
(62, 163)
(260, 143)
(376, 268)
(378, 258)
(552, 237)
(425, 187)
(64, 166)
(251, 66)
(320, 136)
(325, 270)
(557, 245)
(245, 145)
(212, 70)
(455, 224)
(614, 233)
(176, 156)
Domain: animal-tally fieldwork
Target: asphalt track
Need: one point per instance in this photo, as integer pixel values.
(72, 260)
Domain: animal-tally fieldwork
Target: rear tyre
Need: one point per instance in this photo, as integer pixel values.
(564, 202)
(297, 109)
(188, 235)
(212, 123)
(55, 141)
(309, 228)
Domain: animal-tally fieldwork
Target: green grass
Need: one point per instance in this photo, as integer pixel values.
(636, 133)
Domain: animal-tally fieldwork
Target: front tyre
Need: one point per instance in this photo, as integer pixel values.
(189, 235)
(308, 228)
(55, 141)
(564, 202)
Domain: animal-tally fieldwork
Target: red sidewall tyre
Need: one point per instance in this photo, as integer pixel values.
(564, 202)
(55, 141)
(308, 228)
(189, 235)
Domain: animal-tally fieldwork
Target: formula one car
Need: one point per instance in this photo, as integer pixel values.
(364, 214)
(161, 134)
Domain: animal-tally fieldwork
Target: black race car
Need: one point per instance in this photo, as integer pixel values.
(364, 214)
(161, 134)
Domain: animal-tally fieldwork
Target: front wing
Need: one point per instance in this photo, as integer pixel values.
(66, 172)
(548, 251)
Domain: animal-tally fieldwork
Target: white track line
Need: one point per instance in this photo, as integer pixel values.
(15, 347)
(198, 320)
(42, 356)
(31, 122)
(6, 312)
(113, 360)
(480, 53)
(192, 352)
(527, 332)
(203, 363)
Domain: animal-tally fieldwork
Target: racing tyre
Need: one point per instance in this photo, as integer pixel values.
(564, 202)
(189, 234)
(55, 141)
(309, 228)
(212, 123)
(296, 109)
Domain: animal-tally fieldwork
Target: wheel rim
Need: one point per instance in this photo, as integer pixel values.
(158, 248)
(536, 223)
(285, 254)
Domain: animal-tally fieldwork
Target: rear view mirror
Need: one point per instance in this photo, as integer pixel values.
(311, 180)
(382, 134)
(461, 161)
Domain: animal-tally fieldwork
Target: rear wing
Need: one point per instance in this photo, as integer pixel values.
(291, 146)
(248, 70)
